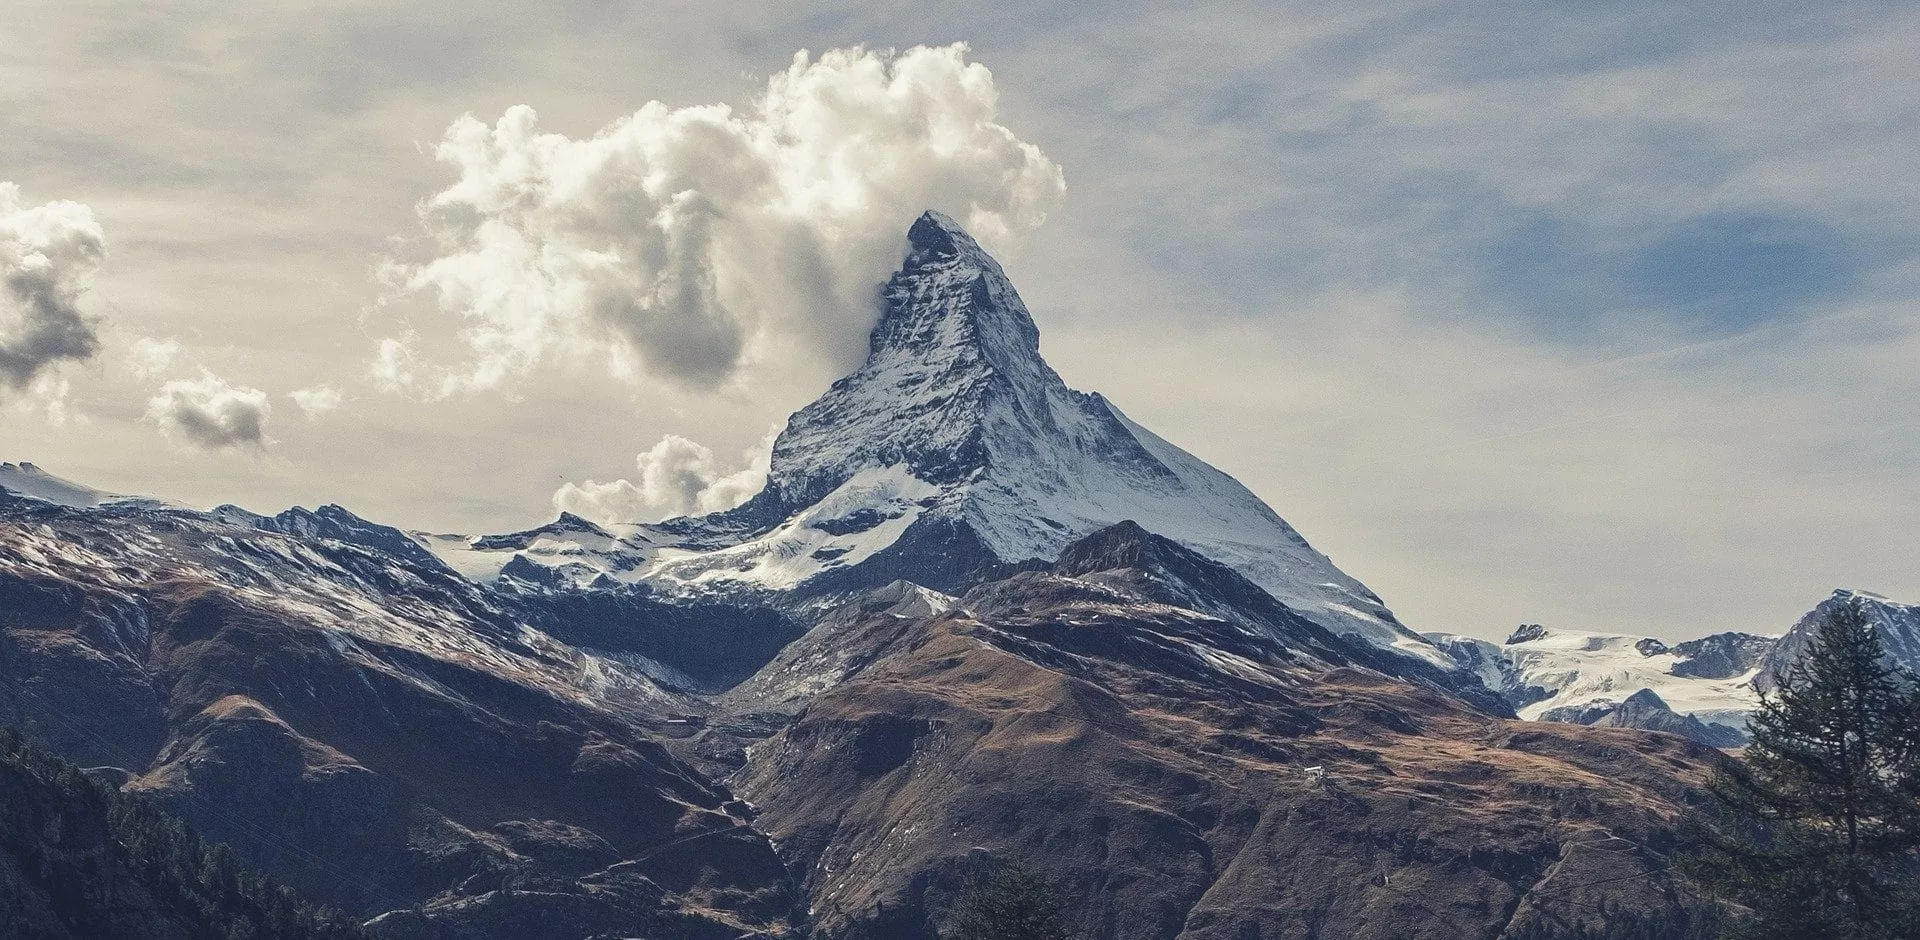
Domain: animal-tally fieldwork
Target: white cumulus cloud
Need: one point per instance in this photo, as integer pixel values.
(678, 477)
(317, 400)
(212, 414)
(48, 254)
(682, 243)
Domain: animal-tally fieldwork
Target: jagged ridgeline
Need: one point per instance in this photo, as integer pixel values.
(977, 619)
(80, 859)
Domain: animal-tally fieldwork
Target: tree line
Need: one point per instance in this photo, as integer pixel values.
(44, 800)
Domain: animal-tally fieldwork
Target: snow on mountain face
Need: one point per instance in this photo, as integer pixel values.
(1897, 624)
(1592, 678)
(25, 479)
(956, 449)
(1566, 674)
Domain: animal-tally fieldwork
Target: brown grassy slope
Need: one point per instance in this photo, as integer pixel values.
(1163, 786)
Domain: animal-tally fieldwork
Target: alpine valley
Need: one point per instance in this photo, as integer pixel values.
(974, 618)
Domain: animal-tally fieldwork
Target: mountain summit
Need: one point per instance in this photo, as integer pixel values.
(953, 374)
(955, 452)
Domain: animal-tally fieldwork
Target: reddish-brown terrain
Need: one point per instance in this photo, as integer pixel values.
(1165, 783)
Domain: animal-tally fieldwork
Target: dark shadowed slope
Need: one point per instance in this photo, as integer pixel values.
(79, 859)
(378, 735)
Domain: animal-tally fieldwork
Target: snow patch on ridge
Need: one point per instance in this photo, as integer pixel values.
(1588, 668)
(25, 479)
(1544, 671)
(862, 516)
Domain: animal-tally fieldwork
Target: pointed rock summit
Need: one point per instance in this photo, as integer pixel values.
(955, 452)
(953, 373)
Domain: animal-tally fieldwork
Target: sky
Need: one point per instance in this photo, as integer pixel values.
(1595, 315)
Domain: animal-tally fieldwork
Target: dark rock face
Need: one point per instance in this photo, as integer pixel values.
(944, 554)
(1647, 711)
(715, 646)
(1897, 624)
(1722, 655)
(377, 735)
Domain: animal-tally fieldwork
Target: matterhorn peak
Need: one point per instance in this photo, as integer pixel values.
(952, 309)
(935, 233)
(955, 451)
(951, 456)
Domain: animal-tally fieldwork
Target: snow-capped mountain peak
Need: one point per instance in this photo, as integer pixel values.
(956, 450)
(952, 378)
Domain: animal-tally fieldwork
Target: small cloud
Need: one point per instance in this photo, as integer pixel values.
(678, 477)
(148, 357)
(317, 400)
(48, 255)
(392, 367)
(211, 414)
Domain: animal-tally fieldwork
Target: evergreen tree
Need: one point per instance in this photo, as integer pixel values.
(1013, 903)
(1818, 833)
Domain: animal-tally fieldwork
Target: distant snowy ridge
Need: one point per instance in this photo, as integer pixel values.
(1592, 678)
(1580, 676)
(25, 479)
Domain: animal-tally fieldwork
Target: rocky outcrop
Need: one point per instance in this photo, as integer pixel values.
(1646, 711)
(1721, 655)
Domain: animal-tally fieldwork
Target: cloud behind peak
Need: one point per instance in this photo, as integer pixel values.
(681, 244)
